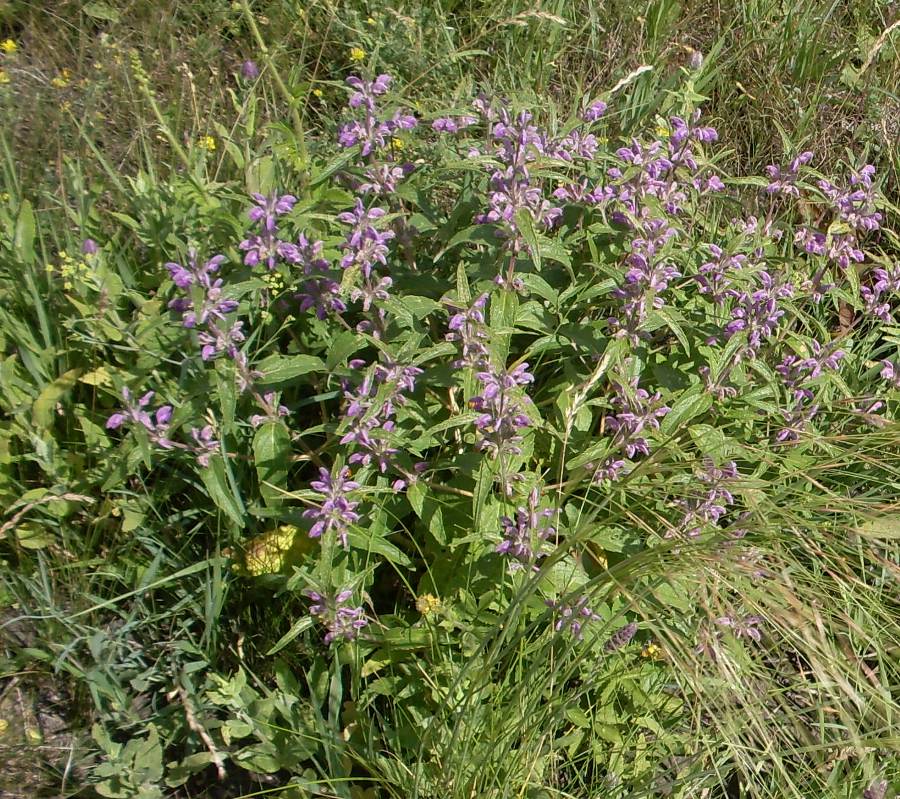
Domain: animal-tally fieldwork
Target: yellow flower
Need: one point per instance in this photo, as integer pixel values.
(397, 144)
(652, 651)
(8, 46)
(428, 604)
(370, 21)
(208, 143)
(357, 54)
(4, 78)
(662, 132)
(61, 80)
(317, 92)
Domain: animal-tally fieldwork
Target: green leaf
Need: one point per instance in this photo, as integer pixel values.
(24, 237)
(342, 348)
(281, 368)
(272, 455)
(689, 405)
(303, 623)
(44, 407)
(216, 483)
(101, 11)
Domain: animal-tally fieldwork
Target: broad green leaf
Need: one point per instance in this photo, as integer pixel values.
(217, 484)
(272, 455)
(282, 368)
(44, 408)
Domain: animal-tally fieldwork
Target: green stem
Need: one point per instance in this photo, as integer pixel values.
(279, 83)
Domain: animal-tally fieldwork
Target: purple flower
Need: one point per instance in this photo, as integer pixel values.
(339, 620)
(890, 372)
(321, 295)
(249, 70)
(136, 412)
(336, 512)
(855, 204)
(501, 409)
(453, 124)
(783, 181)
(273, 411)
(797, 374)
(469, 329)
(594, 111)
(524, 534)
(622, 637)
(742, 626)
(365, 245)
(372, 130)
(715, 275)
(89, 247)
(205, 444)
(709, 506)
(638, 411)
(572, 617)
(757, 313)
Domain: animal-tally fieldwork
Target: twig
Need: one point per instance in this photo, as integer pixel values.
(198, 728)
(43, 501)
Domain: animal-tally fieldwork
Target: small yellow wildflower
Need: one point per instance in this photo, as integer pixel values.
(428, 604)
(398, 144)
(662, 132)
(652, 651)
(33, 736)
(273, 280)
(8, 46)
(97, 65)
(370, 21)
(317, 93)
(357, 54)
(4, 78)
(61, 80)
(208, 143)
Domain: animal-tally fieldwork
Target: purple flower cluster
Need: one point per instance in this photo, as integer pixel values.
(373, 130)
(783, 180)
(135, 412)
(337, 512)
(468, 328)
(855, 204)
(756, 313)
(876, 296)
(742, 626)
(501, 409)
(524, 534)
(715, 277)
(265, 247)
(156, 425)
(319, 293)
(339, 619)
(665, 173)
(710, 506)
(621, 637)
(638, 411)
(648, 275)
(205, 444)
(207, 310)
(890, 372)
(516, 145)
(572, 616)
(370, 411)
(797, 373)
